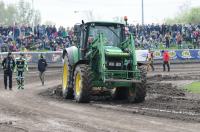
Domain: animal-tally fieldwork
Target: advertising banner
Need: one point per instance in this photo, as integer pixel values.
(56, 57)
(33, 57)
(185, 54)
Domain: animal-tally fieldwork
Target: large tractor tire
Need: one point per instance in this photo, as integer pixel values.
(82, 83)
(124, 93)
(120, 93)
(133, 95)
(67, 90)
(140, 88)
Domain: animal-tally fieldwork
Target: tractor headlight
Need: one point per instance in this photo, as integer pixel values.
(118, 64)
(111, 64)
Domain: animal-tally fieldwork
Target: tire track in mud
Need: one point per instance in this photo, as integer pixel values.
(163, 100)
(9, 128)
(41, 118)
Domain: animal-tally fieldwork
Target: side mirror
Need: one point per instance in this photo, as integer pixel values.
(77, 29)
(64, 53)
(83, 22)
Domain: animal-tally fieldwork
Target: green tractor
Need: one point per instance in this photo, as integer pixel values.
(103, 57)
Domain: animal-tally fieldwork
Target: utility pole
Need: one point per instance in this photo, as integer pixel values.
(142, 12)
(87, 13)
(33, 21)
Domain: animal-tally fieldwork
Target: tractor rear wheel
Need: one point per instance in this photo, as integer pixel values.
(82, 83)
(124, 93)
(120, 93)
(67, 90)
(140, 88)
(134, 94)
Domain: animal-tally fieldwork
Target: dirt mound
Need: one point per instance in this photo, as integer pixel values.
(164, 89)
(172, 103)
(160, 77)
(55, 93)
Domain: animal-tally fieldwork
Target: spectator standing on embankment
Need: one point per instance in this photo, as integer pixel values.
(167, 40)
(179, 40)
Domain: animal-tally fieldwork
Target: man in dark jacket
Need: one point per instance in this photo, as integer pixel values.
(42, 65)
(8, 65)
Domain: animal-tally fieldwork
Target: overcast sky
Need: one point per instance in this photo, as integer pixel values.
(62, 12)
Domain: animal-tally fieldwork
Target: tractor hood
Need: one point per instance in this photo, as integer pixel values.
(112, 49)
(115, 52)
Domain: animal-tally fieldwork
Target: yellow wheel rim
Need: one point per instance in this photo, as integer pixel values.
(78, 83)
(65, 76)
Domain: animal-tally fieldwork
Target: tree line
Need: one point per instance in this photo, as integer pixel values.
(19, 13)
(191, 15)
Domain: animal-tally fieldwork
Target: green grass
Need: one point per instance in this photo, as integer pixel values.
(161, 46)
(193, 87)
(40, 50)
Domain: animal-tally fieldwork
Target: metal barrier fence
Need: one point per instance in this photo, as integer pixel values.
(33, 57)
(176, 56)
(55, 57)
(185, 54)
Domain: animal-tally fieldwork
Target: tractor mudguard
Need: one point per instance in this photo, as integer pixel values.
(141, 57)
(72, 53)
(141, 63)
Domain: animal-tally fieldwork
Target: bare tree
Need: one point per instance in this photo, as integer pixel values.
(18, 13)
(37, 17)
(90, 15)
(2, 12)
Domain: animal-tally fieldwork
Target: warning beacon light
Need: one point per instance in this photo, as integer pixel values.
(126, 19)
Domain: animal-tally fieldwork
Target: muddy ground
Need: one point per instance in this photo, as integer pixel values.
(163, 100)
(168, 108)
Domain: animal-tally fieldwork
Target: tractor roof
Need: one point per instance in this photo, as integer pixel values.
(104, 23)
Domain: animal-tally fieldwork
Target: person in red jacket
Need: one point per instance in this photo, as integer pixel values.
(166, 58)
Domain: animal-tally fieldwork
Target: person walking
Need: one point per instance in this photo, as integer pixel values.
(8, 65)
(42, 65)
(20, 67)
(149, 59)
(166, 58)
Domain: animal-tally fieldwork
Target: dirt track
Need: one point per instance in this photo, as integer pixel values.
(37, 109)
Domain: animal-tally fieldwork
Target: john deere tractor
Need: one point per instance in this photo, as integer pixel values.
(103, 56)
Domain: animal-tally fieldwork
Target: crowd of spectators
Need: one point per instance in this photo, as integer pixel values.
(50, 38)
(166, 36)
(41, 37)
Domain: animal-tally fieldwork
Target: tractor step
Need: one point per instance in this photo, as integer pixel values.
(123, 80)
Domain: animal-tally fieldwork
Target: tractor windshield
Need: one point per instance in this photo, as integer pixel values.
(112, 34)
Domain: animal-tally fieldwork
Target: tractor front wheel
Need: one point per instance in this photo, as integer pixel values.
(82, 83)
(67, 90)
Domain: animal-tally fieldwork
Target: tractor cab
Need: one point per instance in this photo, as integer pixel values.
(114, 34)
